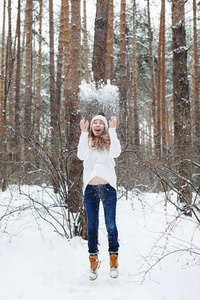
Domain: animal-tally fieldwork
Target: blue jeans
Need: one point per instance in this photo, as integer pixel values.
(92, 196)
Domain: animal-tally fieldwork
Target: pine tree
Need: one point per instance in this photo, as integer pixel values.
(135, 79)
(3, 107)
(53, 111)
(163, 90)
(153, 93)
(17, 87)
(28, 81)
(85, 43)
(182, 120)
(110, 43)
(39, 73)
(123, 76)
(66, 72)
(100, 38)
(196, 83)
(74, 189)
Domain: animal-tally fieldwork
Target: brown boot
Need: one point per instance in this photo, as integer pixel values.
(94, 265)
(114, 265)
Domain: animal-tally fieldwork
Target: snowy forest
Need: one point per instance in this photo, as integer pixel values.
(64, 60)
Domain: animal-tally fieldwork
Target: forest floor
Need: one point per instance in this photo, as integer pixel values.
(37, 263)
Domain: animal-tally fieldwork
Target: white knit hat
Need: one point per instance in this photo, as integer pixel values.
(102, 118)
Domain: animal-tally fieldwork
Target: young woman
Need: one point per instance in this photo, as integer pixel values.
(97, 149)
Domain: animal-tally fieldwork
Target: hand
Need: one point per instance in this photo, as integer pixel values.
(84, 125)
(113, 122)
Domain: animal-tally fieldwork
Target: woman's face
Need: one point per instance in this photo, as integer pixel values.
(98, 127)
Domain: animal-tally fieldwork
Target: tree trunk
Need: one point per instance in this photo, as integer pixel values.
(130, 126)
(2, 107)
(57, 129)
(11, 145)
(163, 92)
(153, 93)
(52, 70)
(85, 43)
(123, 77)
(17, 89)
(39, 73)
(59, 67)
(28, 82)
(182, 121)
(110, 43)
(10, 67)
(75, 71)
(100, 37)
(135, 86)
(171, 124)
(74, 187)
(66, 72)
(149, 116)
(196, 85)
(159, 90)
(7, 86)
(2, 81)
(53, 111)
(38, 90)
(11, 87)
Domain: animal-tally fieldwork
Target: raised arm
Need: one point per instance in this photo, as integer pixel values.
(83, 141)
(115, 147)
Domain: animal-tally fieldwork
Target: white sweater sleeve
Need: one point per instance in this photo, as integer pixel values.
(83, 146)
(115, 147)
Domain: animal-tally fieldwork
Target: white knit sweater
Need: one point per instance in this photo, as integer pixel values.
(99, 162)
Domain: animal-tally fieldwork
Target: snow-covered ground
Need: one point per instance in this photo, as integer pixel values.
(37, 263)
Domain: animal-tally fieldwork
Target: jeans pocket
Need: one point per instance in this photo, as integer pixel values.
(111, 189)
